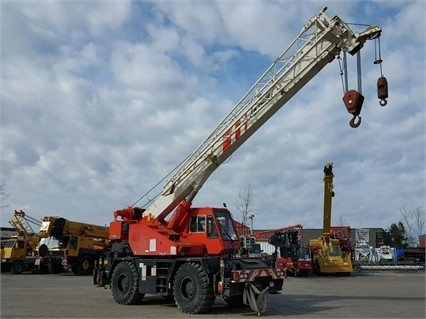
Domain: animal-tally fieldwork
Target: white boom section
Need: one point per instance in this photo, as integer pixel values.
(319, 42)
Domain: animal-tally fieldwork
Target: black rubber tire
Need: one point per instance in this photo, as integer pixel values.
(17, 267)
(85, 265)
(124, 284)
(43, 250)
(5, 268)
(55, 267)
(192, 291)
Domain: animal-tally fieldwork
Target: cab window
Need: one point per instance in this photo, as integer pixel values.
(197, 224)
(211, 228)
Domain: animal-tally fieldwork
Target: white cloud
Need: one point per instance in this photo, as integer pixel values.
(101, 100)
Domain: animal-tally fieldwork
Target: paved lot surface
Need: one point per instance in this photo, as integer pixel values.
(379, 294)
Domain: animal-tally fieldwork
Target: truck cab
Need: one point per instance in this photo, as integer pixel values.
(16, 255)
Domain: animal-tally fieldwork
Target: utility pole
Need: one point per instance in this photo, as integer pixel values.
(251, 228)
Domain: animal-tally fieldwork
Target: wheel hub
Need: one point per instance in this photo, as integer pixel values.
(123, 283)
(188, 288)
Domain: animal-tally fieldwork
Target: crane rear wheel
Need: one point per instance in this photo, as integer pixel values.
(125, 283)
(17, 267)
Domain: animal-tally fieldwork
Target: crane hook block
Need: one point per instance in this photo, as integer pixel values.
(353, 101)
(382, 90)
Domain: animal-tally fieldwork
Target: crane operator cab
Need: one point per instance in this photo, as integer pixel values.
(213, 227)
(225, 225)
(220, 223)
(335, 251)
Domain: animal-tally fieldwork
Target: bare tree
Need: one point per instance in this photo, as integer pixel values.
(342, 220)
(245, 204)
(4, 194)
(414, 220)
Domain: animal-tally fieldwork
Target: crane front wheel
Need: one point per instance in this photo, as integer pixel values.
(192, 291)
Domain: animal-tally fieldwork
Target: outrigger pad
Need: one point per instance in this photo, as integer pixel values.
(256, 299)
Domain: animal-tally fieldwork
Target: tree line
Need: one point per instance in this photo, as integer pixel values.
(405, 233)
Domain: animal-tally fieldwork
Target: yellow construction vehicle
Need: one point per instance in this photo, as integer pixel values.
(68, 244)
(327, 255)
(20, 252)
(60, 244)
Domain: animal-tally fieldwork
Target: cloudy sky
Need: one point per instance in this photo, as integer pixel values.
(100, 100)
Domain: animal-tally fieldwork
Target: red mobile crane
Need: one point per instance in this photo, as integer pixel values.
(290, 254)
(189, 254)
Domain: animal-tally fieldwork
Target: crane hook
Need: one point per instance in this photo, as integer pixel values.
(354, 124)
(353, 101)
(382, 90)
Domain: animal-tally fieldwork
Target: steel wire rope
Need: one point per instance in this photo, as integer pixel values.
(156, 185)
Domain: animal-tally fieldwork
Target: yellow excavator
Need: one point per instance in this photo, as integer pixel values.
(326, 253)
